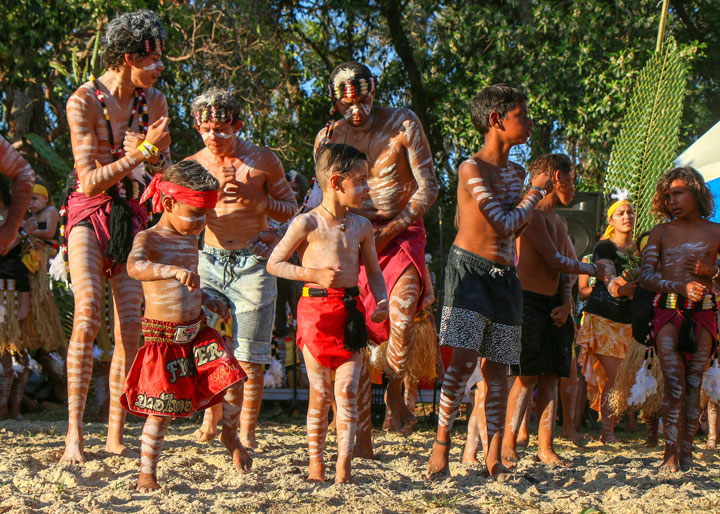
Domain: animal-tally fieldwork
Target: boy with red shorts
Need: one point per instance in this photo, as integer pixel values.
(184, 365)
(331, 319)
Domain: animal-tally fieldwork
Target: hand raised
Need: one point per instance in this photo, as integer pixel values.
(543, 181)
(132, 140)
(158, 134)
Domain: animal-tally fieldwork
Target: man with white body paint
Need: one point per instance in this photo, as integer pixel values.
(103, 212)
(253, 187)
(482, 311)
(402, 188)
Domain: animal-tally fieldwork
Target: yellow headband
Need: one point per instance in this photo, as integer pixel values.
(610, 229)
(41, 190)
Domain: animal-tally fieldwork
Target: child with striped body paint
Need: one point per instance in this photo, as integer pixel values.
(331, 320)
(184, 365)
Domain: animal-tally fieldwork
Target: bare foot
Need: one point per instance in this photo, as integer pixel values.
(204, 434)
(248, 439)
(669, 465)
(147, 483)
(687, 463)
(342, 472)
(240, 457)
(711, 444)
(509, 458)
(387, 422)
(609, 439)
(122, 450)
(522, 438)
(316, 471)
(470, 458)
(363, 447)
(498, 470)
(577, 439)
(651, 442)
(438, 465)
(74, 453)
(403, 419)
(548, 456)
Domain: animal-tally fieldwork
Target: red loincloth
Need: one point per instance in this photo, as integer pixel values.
(706, 318)
(175, 379)
(321, 327)
(407, 249)
(96, 210)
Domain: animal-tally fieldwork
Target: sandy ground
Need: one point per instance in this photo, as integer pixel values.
(198, 477)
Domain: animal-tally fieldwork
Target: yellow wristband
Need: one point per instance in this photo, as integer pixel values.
(148, 149)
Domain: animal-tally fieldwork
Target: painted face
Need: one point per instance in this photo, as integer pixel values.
(356, 111)
(680, 200)
(37, 203)
(517, 124)
(355, 187)
(564, 187)
(219, 138)
(147, 70)
(187, 219)
(623, 219)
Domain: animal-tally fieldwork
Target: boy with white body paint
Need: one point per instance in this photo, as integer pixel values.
(685, 323)
(102, 210)
(253, 188)
(184, 365)
(482, 312)
(331, 320)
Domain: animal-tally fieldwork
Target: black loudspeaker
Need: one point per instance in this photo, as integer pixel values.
(584, 219)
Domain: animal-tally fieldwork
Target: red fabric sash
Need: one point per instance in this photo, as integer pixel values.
(201, 199)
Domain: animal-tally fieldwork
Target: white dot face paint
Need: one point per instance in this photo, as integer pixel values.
(154, 66)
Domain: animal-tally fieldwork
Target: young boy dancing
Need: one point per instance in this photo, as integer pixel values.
(185, 365)
(331, 319)
(482, 311)
(685, 323)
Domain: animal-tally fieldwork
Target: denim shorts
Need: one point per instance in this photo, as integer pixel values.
(241, 280)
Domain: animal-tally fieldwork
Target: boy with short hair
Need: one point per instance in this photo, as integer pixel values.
(685, 322)
(331, 320)
(482, 311)
(184, 366)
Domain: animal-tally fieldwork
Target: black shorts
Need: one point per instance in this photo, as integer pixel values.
(12, 267)
(545, 349)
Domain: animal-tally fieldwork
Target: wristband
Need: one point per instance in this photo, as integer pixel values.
(597, 271)
(148, 149)
(539, 190)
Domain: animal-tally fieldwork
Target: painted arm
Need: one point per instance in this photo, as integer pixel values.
(19, 171)
(421, 165)
(650, 258)
(139, 265)
(556, 258)
(504, 222)
(281, 204)
(567, 281)
(51, 217)
(376, 281)
(279, 262)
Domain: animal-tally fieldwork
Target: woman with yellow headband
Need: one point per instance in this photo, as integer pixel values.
(607, 320)
(44, 218)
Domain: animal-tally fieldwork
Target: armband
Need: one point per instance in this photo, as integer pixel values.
(148, 149)
(539, 190)
(597, 271)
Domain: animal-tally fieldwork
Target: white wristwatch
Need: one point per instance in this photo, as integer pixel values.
(539, 190)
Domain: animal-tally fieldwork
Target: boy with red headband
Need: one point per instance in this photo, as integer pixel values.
(184, 366)
(331, 318)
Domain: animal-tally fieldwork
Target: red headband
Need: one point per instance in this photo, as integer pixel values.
(202, 199)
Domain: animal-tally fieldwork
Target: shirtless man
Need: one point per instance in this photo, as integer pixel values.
(184, 365)
(253, 187)
(685, 248)
(547, 276)
(402, 189)
(482, 313)
(103, 212)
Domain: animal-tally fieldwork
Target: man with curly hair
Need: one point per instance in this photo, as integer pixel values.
(102, 213)
(253, 188)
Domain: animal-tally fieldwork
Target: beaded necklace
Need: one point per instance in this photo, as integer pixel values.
(143, 121)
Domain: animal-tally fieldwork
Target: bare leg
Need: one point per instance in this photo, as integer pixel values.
(6, 380)
(403, 303)
(496, 399)
(673, 367)
(128, 297)
(153, 436)
(317, 414)
(459, 370)
(546, 409)
(252, 399)
(477, 426)
(693, 381)
(101, 382)
(333, 406)
(231, 407)
(568, 396)
(523, 436)
(712, 425)
(346, 384)
(609, 420)
(18, 387)
(85, 261)
(517, 404)
(208, 429)
(652, 425)
(580, 402)
(363, 442)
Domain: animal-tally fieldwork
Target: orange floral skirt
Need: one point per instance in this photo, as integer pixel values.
(600, 336)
